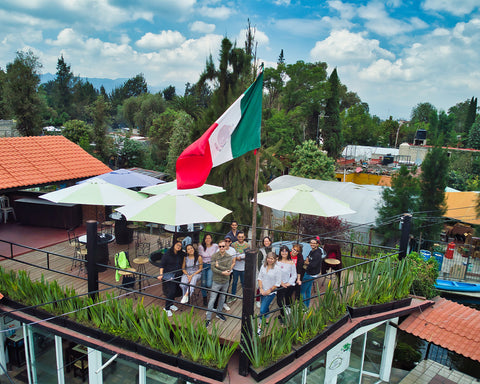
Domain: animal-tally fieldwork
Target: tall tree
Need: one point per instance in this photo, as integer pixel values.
(63, 88)
(422, 113)
(471, 115)
(179, 140)
(22, 80)
(474, 136)
(4, 109)
(101, 118)
(332, 133)
(310, 162)
(434, 178)
(402, 197)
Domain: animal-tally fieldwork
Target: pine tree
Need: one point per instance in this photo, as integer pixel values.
(433, 182)
(332, 135)
(471, 114)
(474, 135)
(402, 197)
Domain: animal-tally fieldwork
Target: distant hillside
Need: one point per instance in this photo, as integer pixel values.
(108, 84)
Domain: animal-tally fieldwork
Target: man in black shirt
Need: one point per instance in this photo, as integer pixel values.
(312, 265)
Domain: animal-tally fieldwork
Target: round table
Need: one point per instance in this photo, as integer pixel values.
(127, 271)
(332, 262)
(102, 254)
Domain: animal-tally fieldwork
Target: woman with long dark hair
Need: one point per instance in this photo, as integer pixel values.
(297, 257)
(288, 278)
(170, 265)
(206, 250)
(192, 268)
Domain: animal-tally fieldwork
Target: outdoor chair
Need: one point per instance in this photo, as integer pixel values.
(6, 208)
(128, 279)
(79, 256)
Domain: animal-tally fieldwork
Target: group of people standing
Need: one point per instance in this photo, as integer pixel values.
(286, 276)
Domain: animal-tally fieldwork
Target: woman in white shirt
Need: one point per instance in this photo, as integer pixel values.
(206, 250)
(269, 280)
(288, 278)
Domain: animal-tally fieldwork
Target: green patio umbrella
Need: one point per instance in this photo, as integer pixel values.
(94, 192)
(303, 199)
(170, 188)
(174, 210)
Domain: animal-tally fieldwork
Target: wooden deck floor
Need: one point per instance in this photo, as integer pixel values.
(41, 263)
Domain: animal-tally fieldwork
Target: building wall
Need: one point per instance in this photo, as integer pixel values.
(7, 129)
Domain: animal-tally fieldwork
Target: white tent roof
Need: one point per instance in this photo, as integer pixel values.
(362, 152)
(362, 198)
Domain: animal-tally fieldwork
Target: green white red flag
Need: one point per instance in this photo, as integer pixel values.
(235, 133)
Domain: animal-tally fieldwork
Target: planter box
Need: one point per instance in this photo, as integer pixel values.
(302, 349)
(157, 355)
(212, 373)
(261, 373)
(378, 308)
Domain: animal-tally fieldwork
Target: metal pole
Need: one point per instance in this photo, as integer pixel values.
(406, 225)
(247, 308)
(92, 271)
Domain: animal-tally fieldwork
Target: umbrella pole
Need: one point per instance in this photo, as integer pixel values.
(298, 228)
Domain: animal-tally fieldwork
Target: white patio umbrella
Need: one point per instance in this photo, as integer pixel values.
(174, 210)
(303, 199)
(170, 188)
(126, 179)
(94, 192)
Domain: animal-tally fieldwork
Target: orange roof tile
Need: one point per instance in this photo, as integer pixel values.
(448, 324)
(28, 161)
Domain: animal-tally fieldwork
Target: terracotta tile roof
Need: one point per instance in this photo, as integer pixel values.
(29, 161)
(448, 324)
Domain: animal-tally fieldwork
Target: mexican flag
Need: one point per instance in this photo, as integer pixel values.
(235, 133)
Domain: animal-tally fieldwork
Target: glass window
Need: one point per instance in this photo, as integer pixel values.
(43, 364)
(352, 373)
(316, 371)
(119, 371)
(374, 349)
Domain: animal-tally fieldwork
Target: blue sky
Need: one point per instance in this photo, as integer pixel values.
(394, 53)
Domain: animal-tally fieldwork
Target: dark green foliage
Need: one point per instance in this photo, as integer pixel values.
(433, 183)
(426, 274)
(21, 86)
(310, 162)
(332, 134)
(402, 197)
(169, 93)
(471, 114)
(179, 140)
(474, 135)
(422, 113)
(101, 117)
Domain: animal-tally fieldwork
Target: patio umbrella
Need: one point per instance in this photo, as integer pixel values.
(303, 199)
(126, 179)
(170, 188)
(174, 210)
(94, 192)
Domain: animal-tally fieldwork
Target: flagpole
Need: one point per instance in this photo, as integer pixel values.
(254, 207)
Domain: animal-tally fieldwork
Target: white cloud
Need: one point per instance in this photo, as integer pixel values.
(457, 8)
(221, 12)
(377, 20)
(281, 2)
(343, 47)
(202, 27)
(165, 39)
(347, 11)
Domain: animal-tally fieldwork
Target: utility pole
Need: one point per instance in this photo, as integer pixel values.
(406, 223)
